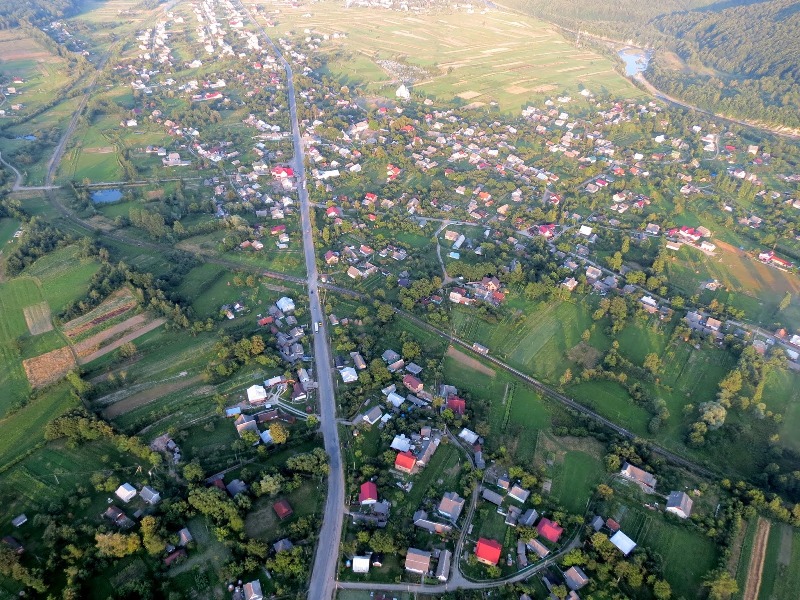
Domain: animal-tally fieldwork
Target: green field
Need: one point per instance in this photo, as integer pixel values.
(514, 412)
(63, 275)
(475, 59)
(611, 400)
(687, 554)
(575, 480)
(15, 295)
(537, 343)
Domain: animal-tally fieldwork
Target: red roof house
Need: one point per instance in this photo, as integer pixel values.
(282, 172)
(405, 461)
(549, 530)
(283, 509)
(333, 211)
(368, 494)
(488, 551)
(457, 405)
(177, 555)
(412, 383)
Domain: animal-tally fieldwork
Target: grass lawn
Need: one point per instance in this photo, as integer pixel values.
(687, 554)
(64, 276)
(782, 394)
(576, 479)
(440, 469)
(612, 401)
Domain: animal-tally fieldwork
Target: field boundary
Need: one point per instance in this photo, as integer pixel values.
(468, 361)
(756, 567)
(123, 340)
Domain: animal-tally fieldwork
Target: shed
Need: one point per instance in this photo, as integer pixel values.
(283, 509)
(623, 542)
(126, 492)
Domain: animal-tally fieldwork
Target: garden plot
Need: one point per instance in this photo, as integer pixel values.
(37, 317)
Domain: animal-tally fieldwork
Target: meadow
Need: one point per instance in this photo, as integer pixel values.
(688, 555)
(781, 575)
(474, 59)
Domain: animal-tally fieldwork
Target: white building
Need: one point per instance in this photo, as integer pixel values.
(256, 394)
(126, 492)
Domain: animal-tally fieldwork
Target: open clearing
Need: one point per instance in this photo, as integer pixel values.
(469, 362)
(37, 316)
(756, 567)
(496, 56)
(49, 367)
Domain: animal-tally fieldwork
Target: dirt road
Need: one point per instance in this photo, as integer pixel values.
(753, 585)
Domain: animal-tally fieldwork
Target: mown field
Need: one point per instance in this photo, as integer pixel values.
(474, 59)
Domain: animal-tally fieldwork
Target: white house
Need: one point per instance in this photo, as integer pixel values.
(349, 375)
(285, 305)
(403, 93)
(256, 394)
(126, 492)
(361, 564)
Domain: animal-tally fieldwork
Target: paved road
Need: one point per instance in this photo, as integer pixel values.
(323, 574)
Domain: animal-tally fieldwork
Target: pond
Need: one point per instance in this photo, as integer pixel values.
(635, 59)
(29, 138)
(106, 196)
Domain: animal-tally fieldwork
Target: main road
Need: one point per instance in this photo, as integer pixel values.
(323, 574)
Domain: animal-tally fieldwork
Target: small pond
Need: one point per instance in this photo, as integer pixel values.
(106, 196)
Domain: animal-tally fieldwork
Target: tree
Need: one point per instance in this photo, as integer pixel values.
(127, 350)
(278, 433)
(652, 363)
(787, 300)
(605, 491)
(193, 471)
(117, 544)
(721, 585)
(662, 590)
(566, 377)
(411, 350)
(151, 538)
(270, 485)
(289, 563)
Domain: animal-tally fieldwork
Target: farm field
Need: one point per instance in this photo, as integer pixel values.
(688, 555)
(473, 58)
(576, 468)
(748, 284)
(780, 577)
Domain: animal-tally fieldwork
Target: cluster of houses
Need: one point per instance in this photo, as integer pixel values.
(289, 335)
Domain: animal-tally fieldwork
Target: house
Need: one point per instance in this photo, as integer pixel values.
(457, 405)
(488, 551)
(252, 591)
(593, 273)
(413, 384)
(518, 493)
(468, 436)
(331, 258)
(396, 399)
(680, 504)
(549, 530)
(443, 567)
(184, 537)
(285, 305)
(256, 394)
(236, 487)
(529, 517)
(623, 542)
(176, 556)
(418, 561)
(390, 356)
(373, 415)
(451, 506)
(405, 462)
(126, 492)
(117, 517)
(282, 545)
(19, 521)
(538, 547)
(421, 520)
(150, 496)
(349, 375)
(283, 509)
(266, 437)
(246, 423)
(368, 493)
(361, 564)
(713, 324)
(640, 477)
(575, 578)
(492, 497)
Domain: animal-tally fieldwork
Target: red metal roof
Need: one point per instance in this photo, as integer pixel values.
(549, 530)
(488, 550)
(405, 461)
(369, 491)
(282, 508)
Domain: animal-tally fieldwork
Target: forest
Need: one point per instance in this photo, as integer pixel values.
(739, 58)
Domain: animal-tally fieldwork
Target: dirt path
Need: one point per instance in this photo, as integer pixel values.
(123, 340)
(754, 571)
(470, 362)
(132, 402)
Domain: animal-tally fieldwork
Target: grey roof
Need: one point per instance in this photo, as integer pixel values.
(575, 578)
(680, 501)
(492, 497)
(283, 545)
